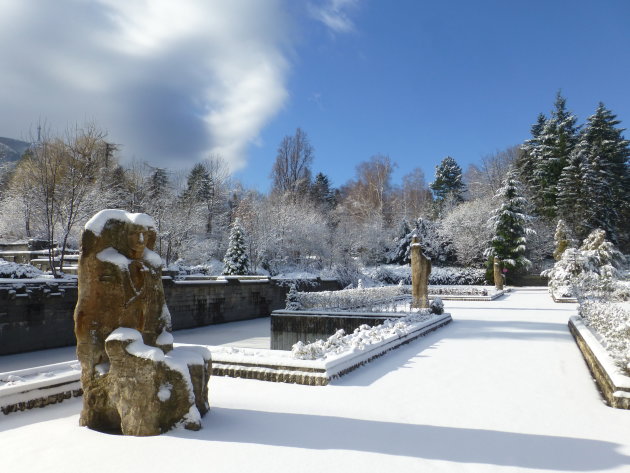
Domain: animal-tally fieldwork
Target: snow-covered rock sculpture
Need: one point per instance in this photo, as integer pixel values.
(420, 271)
(133, 380)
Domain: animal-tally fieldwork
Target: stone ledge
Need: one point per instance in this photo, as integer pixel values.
(40, 386)
(276, 366)
(613, 384)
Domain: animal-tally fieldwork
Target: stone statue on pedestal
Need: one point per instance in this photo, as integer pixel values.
(420, 271)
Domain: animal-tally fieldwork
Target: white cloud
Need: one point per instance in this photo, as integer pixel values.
(171, 81)
(334, 14)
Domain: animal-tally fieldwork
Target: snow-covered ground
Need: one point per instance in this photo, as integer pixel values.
(501, 389)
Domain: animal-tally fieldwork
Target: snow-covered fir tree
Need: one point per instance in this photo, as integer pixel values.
(509, 225)
(236, 261)
(595, 186)
(548, 153)
(293, 299)
(400, 253)
(448, 181)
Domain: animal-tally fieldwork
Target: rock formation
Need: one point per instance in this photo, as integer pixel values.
(133, 381)
(420, 271)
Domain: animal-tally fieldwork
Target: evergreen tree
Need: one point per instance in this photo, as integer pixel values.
(448, 181)
(509, 227)
(321, 192)
(571, 202)
(158, 183)
(525, 163)
(199, 184)
(236, 261)
(606, 178)
(549, 152)
(400, 254)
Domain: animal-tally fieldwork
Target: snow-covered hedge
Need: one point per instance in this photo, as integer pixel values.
(359, 339)
(18, 271)
(611, 320)
(440, 276)
(366, 299)
(458, 291)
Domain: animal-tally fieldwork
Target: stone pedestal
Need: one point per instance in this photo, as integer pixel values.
(420, 271)
(133, 381)
(498, 275)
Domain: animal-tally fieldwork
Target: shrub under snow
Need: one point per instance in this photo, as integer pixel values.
(18, 271)
(611, 320)
(359, 339)
(440, 276)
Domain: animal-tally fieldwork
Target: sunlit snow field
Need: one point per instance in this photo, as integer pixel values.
(501, 389)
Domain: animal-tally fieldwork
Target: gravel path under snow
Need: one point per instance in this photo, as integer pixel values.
(501, 389)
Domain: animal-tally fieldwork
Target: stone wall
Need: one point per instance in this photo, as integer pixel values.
(39, 315)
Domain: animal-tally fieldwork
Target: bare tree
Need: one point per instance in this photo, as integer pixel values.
(291, 171)
(486, 179)
(369, 196)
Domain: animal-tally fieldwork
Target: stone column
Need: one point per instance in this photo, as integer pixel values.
(498, 275)
(420, 270)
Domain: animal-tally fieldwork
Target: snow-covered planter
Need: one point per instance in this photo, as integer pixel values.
(18, 271)
(362, 337)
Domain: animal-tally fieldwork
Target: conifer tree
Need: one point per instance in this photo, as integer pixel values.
(321, 192)
(236, 261)
(595, 184)
(549, 152)
(448, 181)
(509, 224)
(400, 254)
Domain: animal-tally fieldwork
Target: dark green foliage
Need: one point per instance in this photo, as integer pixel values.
(595, 185)
(448, 181)
(547, 154)
(321, 192)
(509, 223)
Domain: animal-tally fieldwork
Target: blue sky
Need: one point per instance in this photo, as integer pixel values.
(421, 80)
(173, 82)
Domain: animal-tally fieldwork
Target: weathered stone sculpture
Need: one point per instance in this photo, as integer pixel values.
(498, 275)
(420, 271)
(133, 381)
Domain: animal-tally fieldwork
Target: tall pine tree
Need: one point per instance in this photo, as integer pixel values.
(595, 185)
(548, 153)
(448, 183)
(509, 224)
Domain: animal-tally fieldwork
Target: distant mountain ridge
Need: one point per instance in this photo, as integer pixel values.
(12, 150)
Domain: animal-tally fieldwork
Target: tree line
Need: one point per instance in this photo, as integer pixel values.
(577, 173)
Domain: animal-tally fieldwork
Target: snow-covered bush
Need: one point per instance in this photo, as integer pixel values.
(293, 301)
(359, 339)
(436, 306)
(365, 299)
(18, 271)
(440, 276)
(611, 320)
(449, 276)
(591, 269)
